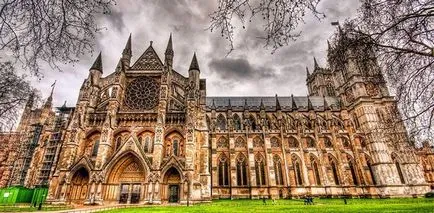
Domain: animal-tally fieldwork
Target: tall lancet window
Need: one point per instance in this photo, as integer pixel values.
(223, 171)
(95, 148)
(334, 171)
(353, 171)
(175, 147)
(371, 171)
(221, 122)
(260, 170)
(241, 170)
(398, 168)
(297, 170)
(315, 170)
(237, 122)
(147, 145)
(278, 170)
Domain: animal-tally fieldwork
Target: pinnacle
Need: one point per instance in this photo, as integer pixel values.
(127, 49)
(315, 63)
(97, 65)
(169, 49)
(194, 65)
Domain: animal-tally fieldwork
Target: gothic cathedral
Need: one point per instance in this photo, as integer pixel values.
(147, 134)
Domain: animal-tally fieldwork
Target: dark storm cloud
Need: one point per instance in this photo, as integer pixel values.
(250, 69)
(240, 68)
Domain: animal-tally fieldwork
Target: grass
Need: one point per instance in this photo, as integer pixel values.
(321, 205)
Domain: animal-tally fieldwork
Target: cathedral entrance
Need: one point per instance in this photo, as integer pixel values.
(125, 181)
(172, 180)
(173, 193)
(130, 192)
(79, 186)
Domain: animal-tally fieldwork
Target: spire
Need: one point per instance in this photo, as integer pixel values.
(309, 104)
(127, 50)
(246, 107)
(194, 65)
(168, 59)
(326, 105)
(97, 65)
(213, 105)
(315, 63)
(229, 104)
(307, 72)
(169, 49)
(50, 98)
(293, 104)
(64, 105)
(278, 104)
(262, 107)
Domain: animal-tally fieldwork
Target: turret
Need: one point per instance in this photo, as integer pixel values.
(95, 71)
(168, 60)
(194, 72)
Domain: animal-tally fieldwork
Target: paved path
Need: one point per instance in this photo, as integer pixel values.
(85, 209)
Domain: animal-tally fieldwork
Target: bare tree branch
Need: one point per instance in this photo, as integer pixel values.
(53, 31)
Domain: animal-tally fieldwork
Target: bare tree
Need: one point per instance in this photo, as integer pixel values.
(54, 31)
(14, 93)
(280, 18)
(402, 35)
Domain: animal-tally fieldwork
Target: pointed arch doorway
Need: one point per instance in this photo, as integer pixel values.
(172, 182)
(125, 181)
(79, 186)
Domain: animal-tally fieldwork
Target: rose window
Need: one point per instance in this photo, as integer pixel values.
(142, 94)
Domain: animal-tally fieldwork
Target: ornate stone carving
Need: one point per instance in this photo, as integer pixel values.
(142, 94)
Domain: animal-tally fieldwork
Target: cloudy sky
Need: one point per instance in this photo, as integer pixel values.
(250, 70)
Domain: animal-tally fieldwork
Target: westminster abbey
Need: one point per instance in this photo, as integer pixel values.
(146, 134)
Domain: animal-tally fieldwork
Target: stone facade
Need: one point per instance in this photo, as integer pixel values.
(147, 134)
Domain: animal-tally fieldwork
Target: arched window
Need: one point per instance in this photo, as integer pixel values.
(221, 122)
(293, 143)
(260, 170)
(310, 142)
(362, 143)
(345, 142)
(241, 171)
(353, 171)
(175, 147)
(95, 148)
(297, 171)
(334, 171)
(223, 171)
(118, 142)
(371, 171)
(147, 145)
(252, 122)
(278, 170)
(237, 122)
(328, 142)
(315, 170)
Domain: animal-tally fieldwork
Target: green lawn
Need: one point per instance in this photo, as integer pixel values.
(321, 205)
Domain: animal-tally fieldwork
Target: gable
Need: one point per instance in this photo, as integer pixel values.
(149, 60)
